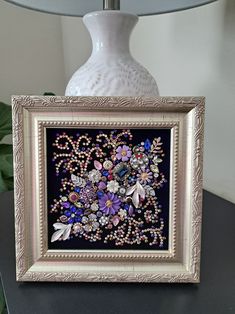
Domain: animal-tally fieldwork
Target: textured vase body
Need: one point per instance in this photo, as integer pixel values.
(111, 70)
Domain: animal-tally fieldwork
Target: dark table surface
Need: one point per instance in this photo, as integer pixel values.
(215, 294)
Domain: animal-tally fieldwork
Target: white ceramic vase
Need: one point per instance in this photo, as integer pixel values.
(111, 70)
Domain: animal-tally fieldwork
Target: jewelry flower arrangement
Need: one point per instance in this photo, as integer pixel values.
(109, 189)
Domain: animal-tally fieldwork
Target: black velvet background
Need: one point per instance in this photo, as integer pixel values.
(54, 184)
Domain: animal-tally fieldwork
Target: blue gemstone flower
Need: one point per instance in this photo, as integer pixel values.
(73, 214)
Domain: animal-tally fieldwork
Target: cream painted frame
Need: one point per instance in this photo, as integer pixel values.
(34, 262)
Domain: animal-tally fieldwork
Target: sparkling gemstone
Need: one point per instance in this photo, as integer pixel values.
(63, 218)
(97, 165)
(157, 160)
(77, 189)
(87, 212)
(78, 204)
(100, 193)
(105, 173)
(79, 212)
(67, 213)
(107, 164)
(131, 210)
(139, 160)
(73, 197)
(87, 194)
(102, 185)
(154, 168)
(99, 214)
(122, 191)
(73, 209)
(147, 144)
(121, 171)
(84, 219)
(66, 204)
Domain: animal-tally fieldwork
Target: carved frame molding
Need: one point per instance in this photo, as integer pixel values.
(185, 117)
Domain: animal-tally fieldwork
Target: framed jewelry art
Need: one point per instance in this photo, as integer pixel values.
(108, 188)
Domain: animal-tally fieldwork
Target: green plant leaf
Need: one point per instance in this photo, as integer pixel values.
(5, 120)
(6, 167)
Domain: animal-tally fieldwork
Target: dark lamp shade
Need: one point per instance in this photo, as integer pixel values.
(81, 7)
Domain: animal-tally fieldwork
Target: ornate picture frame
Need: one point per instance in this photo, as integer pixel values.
(125, 206)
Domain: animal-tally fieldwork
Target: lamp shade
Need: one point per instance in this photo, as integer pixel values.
(82, 7)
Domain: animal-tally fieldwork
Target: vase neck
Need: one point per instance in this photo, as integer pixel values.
(110, 31)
